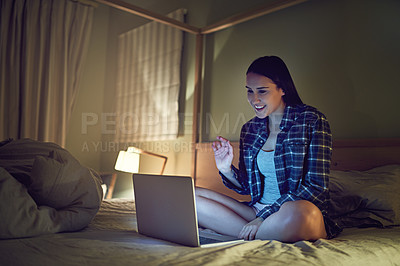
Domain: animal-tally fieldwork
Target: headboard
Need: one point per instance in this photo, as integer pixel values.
(348, 154)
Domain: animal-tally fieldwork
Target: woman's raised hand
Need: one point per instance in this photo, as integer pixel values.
(223, 153)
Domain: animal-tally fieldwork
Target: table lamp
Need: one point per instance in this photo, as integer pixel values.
(128, 161)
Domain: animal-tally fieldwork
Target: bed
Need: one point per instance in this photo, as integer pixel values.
(370, 215)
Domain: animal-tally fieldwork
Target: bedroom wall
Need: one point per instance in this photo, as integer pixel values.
(342, 54)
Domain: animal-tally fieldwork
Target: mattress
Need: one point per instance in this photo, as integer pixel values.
(112, 239)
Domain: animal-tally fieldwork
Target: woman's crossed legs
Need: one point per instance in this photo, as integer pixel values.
(295, 220)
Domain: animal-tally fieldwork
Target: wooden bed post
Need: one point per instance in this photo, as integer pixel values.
(249, 15)
(197, 100)
(124, 6)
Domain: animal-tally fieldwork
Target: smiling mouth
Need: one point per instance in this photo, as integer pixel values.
(259, 108)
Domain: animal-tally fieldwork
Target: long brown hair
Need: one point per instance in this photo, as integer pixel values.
(275, 69)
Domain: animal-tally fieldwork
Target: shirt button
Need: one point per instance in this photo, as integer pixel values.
(261, 141)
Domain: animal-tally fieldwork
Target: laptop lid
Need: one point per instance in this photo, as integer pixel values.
(165, 208)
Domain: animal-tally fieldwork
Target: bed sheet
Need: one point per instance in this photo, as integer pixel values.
(112, 239)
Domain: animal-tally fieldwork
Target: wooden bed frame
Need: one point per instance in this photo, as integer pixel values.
(244, 16)
(348, 154)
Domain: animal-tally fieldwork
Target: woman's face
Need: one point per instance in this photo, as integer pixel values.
(263, 95)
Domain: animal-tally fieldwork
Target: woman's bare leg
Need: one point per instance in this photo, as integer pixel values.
(221, 213)
(295, 221)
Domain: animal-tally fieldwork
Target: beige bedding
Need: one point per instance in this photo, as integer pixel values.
(111, 239)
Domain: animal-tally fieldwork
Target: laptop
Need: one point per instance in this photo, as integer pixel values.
(166, 209)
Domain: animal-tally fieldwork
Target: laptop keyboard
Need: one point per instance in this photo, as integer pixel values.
(205, 240)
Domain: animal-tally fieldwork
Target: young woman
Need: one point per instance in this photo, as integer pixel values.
(285, 154)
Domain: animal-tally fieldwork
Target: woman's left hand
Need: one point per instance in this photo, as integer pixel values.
(249, 231)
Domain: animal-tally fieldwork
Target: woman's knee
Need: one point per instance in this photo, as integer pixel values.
(304, 220)
(209, 194)
(200, 195)
(301, 210)
(204, 192)
(204, 196)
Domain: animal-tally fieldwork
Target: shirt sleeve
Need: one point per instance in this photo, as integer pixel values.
(314, 184)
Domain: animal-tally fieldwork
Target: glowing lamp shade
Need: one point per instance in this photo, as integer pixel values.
(127, 161)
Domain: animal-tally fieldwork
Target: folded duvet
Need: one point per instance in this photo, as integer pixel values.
(44, 189)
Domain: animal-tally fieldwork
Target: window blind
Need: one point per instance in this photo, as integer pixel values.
(148, 82)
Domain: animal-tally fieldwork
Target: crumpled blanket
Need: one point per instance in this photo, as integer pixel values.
(44, 189)
(366, 198)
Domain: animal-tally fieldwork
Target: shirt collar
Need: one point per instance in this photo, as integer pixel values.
(289, 117)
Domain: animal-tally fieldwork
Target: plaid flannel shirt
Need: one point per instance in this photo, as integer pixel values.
(302, 160)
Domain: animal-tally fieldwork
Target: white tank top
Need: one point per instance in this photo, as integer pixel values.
(266, 166)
